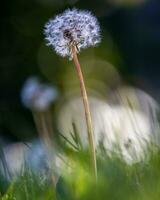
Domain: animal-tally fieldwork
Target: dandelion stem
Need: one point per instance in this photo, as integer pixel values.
(44, 134)
(39, 119)
(87, 110)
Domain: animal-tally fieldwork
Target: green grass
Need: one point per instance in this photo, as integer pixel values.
(116, 181)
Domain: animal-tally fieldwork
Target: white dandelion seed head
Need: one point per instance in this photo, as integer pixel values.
(38, 96)
(72, 26)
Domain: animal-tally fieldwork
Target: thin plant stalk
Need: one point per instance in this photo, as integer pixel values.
(49, 124)
(86, 109)
(41, 127)
(44, 134)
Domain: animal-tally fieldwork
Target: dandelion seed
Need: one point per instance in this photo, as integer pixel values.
(36, 95)
(67, 33)
(73, 27)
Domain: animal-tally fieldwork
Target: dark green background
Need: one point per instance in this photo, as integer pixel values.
(134, 30)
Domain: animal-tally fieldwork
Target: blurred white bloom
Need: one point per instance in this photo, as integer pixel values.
(72, 27)
(129, 129)
(14, 156)
(37, 95)
(20, 156)
(138, 100)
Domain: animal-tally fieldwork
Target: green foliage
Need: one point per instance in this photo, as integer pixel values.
(29, 186)
(116, 181)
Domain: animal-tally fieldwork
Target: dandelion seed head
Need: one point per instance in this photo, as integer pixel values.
(38, 96)
(73, 26)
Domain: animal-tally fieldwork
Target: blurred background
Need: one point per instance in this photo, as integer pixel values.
(128, 55)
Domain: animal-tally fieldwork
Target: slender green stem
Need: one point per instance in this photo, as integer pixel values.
(87, 110)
